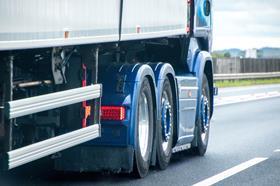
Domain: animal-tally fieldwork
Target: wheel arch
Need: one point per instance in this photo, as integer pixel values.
(162, 70)
(136, 75)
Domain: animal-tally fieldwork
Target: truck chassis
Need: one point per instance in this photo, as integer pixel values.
(152, 69)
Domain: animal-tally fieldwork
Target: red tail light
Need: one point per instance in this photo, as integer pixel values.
(116, 113)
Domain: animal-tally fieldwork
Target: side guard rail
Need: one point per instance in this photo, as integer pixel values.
(22, 107)
(36, 104)
(47, 147)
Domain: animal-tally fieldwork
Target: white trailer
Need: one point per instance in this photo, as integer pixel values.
(50, 23)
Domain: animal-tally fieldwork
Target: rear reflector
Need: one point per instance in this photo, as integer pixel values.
(116, 113)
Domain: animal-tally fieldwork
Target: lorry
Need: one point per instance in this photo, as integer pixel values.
(104, 85)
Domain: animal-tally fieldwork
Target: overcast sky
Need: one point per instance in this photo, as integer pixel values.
(246, 24)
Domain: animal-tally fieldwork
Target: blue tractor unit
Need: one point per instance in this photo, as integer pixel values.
(105, 85)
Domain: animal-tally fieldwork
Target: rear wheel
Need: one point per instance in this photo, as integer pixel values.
(144, 130)
(165, 129)
(203, 120)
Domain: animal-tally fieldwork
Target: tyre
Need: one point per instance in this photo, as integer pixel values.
(144, 130)
(166, 127)
(203, 120)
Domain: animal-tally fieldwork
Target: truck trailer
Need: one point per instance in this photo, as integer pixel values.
(104, 85)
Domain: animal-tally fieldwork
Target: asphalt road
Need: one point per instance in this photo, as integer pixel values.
(244, 149)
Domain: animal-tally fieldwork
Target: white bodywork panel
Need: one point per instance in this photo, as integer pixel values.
(48, 23)
(153, 18)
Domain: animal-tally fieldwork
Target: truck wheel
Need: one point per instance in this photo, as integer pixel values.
(144, 130)
(203, 121)
(165, 129)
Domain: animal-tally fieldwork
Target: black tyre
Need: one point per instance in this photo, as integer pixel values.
(203, 121)
(144, 130)
(166, 127)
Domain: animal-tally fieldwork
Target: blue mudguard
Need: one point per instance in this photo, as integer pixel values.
(121, 86)
(203, 62)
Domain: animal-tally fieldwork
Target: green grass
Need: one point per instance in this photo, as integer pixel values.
(238, 83)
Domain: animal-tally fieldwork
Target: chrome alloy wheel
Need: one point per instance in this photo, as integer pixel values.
(143, 126)
(205, 117)
(166, 122)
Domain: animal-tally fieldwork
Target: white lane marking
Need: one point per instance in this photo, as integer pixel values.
(245, 98)
(230, 172)
(273, 93)
(277, 150)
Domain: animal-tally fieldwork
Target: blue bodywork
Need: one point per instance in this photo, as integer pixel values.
(122, 86)
(197, 61)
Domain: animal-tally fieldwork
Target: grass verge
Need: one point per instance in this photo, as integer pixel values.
(247, 82)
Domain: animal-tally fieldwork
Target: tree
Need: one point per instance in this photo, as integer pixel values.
(227, 55)
(217, 55)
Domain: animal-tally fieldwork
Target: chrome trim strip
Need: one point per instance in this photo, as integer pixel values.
(181, 148)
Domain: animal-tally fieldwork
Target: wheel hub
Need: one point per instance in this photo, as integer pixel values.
(205, 116)
(166, 121)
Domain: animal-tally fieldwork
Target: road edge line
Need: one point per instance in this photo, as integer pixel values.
(230, 172)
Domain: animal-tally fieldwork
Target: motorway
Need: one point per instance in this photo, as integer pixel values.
(244, 149)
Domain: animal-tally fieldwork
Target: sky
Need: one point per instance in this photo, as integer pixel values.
(246, 24)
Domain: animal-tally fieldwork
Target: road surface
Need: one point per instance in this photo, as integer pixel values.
(244, 149)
